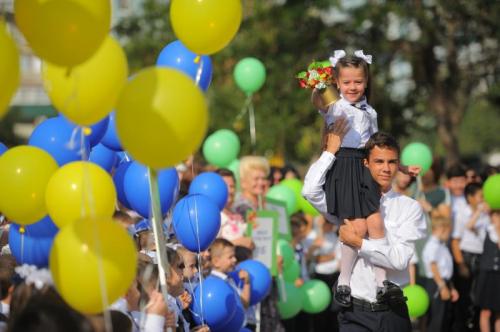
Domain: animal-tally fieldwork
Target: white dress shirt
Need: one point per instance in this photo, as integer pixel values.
(470, 240)
(437, 252)
(362, 121)
(404, 224)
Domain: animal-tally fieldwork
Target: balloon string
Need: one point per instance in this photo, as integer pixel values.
(244, 109)
(251, 119)
(157, 231)
(281, 284)
(88, 207)
(22, 230)
(199, 71)
(199, 256)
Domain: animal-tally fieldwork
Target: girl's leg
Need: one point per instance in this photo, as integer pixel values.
(349, 254)
(497, 322)
(484, 320)
(376, 232)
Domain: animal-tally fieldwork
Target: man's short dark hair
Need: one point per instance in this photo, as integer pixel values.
(382, 140)
(225, 172)
(455, 171)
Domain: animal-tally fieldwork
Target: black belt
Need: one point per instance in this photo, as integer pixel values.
(362, 305)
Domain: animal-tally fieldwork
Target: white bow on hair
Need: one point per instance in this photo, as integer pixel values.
(34, 276)
(366, 57)
(337, 55)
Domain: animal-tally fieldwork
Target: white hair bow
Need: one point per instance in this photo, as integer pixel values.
(34, 276)
(337, 55)
(366, 57)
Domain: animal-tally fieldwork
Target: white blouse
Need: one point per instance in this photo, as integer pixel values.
(437, 252)
(362, 121)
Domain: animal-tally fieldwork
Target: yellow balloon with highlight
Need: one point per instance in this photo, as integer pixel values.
(80, 190)
(87, 93)
(24, 174)
(205, 26)
(161, 117)
(89, 256)
(64, 32)
(9, 68)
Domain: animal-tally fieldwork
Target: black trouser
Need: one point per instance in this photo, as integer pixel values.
(440, 313)
(395, 319)
(466, 315)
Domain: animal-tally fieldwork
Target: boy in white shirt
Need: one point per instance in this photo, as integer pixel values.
(438, 264)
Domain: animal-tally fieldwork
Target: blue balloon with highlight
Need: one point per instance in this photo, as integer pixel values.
(33, 247)
(196, 222)
(260, 279)
(61, 139)
(119, 180)
(211, 185)
(176, 55)
(136, 187)
(219, 302)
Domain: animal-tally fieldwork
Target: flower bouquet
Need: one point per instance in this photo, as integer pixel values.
(320, 76)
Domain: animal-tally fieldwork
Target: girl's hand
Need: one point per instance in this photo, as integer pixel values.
(185, 299)
(317, 101)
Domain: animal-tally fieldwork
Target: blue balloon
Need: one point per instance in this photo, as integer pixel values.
(176, 55)
(97, 130)
(33, 247)
(119, 180)
(196, 222)
(219, 302)
(211, 185)
(245, 330)
(103, 157)
(3, 148)
(61, 140)
(136, 187)
(235, 323)
(260, 279)
(110, 138)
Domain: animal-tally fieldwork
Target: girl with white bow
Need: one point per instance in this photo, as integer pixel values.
(351, 192)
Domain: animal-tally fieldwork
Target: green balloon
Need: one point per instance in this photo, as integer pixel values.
(316, 296)
(249, 74)
(221, 148)
(285, 250)
(302, 204)
(234, 166)
(418, 300)
(292, 272)
(290, 303)
(284, 194)
(417, 154)
(491, 191)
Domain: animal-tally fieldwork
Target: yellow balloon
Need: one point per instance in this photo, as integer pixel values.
(89, 256)
(87, 93)
(205, 26)
(24, 174)
(80, 190)
(9, 68)
(161, 117)
(64, 32)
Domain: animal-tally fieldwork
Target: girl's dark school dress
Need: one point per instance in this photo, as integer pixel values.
(487, 292)
(350, 190)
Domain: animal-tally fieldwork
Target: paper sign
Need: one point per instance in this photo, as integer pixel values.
(283, 220)
(263, 229)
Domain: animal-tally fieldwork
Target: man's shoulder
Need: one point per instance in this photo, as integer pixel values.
(397, 198)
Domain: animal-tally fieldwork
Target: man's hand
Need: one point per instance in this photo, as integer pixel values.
(445, 294)
(454, 295)
(335, 134)
(349, 236)
(463, 270)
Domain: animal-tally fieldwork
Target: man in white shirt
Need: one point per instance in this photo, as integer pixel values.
(404, 224)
